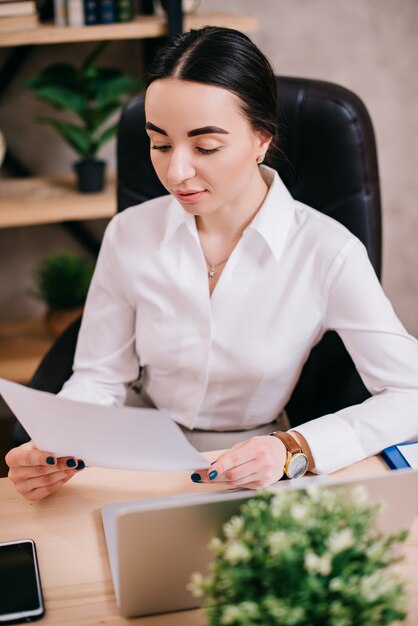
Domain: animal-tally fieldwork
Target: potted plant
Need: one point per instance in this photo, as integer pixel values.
(299, 558)
(62, 283)
(92, 95)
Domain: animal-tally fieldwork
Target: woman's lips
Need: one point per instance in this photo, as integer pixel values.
(190, 196)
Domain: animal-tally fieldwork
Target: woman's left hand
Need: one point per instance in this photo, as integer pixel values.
(252, 464)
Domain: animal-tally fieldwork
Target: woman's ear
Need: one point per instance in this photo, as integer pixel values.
(263, 141)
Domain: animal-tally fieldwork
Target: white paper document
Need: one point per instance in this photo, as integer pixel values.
(103, 436)
(410, 453)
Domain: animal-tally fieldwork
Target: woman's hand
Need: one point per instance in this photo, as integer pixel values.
(37, 474)
(252, 464)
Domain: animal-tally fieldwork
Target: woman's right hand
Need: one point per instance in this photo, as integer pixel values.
(37, 474)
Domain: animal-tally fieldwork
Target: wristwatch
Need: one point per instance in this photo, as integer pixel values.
(296, 464)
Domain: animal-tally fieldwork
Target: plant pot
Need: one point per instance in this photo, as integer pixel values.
(58, 320)
(90, 175)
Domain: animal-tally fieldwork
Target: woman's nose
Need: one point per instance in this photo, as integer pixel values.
(179, 169)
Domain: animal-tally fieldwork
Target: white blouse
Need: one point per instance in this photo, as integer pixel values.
(231, 360)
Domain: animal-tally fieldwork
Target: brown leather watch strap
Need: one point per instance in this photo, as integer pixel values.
(290, 443)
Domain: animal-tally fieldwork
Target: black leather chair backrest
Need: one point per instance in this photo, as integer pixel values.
(330, 164)
(328, 160)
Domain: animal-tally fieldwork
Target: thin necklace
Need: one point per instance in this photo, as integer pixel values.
(211, 272)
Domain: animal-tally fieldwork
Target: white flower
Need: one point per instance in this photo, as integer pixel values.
(197, 585)
(236, 551)
(233, 528)
(376, 585)
(277, 541)
(216, 546)
(299, 512)
(360, 495)
(276, 505)
(231, 614)
(318, 564)
(370, 587)
(339, 541)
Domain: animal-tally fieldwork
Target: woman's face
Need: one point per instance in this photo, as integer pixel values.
(203, 148)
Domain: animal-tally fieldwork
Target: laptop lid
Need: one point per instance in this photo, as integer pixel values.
(155, 544)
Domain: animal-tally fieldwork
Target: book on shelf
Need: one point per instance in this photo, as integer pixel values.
(91, 12)
(75, 13)
(60, 13)
(15, 8)
(124, 10)
(107, 12)
(18, 22)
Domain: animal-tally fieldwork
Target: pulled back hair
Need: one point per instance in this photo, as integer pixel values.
(225, 58)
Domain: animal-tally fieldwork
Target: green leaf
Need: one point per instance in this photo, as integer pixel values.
(78, 138)
(90, 62)
(63, 98)
(113, 89)
(63, 280)
(108, 134)
(59, 74)
(98, 117)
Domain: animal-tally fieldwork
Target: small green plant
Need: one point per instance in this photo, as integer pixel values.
(91, 93)
(63, 280)
(303, 558)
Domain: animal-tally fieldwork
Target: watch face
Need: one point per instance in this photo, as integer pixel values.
(297, 466)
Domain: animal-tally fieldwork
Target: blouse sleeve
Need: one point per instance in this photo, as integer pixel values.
(385, 356)
(105, 359)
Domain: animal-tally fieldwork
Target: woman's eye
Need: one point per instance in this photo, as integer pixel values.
(207, 150)
(161, 148)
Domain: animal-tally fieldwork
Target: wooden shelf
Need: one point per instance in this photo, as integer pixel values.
(29, 201)
(142, 27)
(22, 347)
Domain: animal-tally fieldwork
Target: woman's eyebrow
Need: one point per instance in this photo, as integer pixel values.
(205, 130)
(151, 126)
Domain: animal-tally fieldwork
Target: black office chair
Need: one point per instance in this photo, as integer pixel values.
(330, 163)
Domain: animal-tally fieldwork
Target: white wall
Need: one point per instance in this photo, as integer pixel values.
(368, 46)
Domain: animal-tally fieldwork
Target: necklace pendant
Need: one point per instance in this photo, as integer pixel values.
(211, 273)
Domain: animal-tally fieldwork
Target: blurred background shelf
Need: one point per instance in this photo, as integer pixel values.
(29, 201)
(142, 27)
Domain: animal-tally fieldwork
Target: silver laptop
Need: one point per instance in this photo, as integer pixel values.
(154, 545)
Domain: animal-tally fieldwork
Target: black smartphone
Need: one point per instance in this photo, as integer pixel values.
(20, 585)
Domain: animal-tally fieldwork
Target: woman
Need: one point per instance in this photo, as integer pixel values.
(219, 290)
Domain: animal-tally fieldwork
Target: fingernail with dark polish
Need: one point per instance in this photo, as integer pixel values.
(213, 475)
(71, 463)
(80, 465)
(50, 460)
(196, 478)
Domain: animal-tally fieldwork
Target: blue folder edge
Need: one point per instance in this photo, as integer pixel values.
(394, 458)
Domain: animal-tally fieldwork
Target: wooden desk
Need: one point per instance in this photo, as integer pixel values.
(72, 553)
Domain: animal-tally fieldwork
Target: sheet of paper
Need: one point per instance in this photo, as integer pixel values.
(116, 437)
(410, 453)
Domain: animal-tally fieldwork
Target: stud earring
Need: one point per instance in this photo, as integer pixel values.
(260, 158)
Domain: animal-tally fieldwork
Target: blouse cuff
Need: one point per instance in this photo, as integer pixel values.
(333, 443)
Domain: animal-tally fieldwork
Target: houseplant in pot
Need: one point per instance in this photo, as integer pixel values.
(303, 558)
(62, 281)
(92, 95)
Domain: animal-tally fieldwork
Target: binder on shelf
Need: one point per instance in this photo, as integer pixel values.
(393, 456)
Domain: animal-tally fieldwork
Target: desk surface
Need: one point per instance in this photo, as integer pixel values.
(72, 552)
